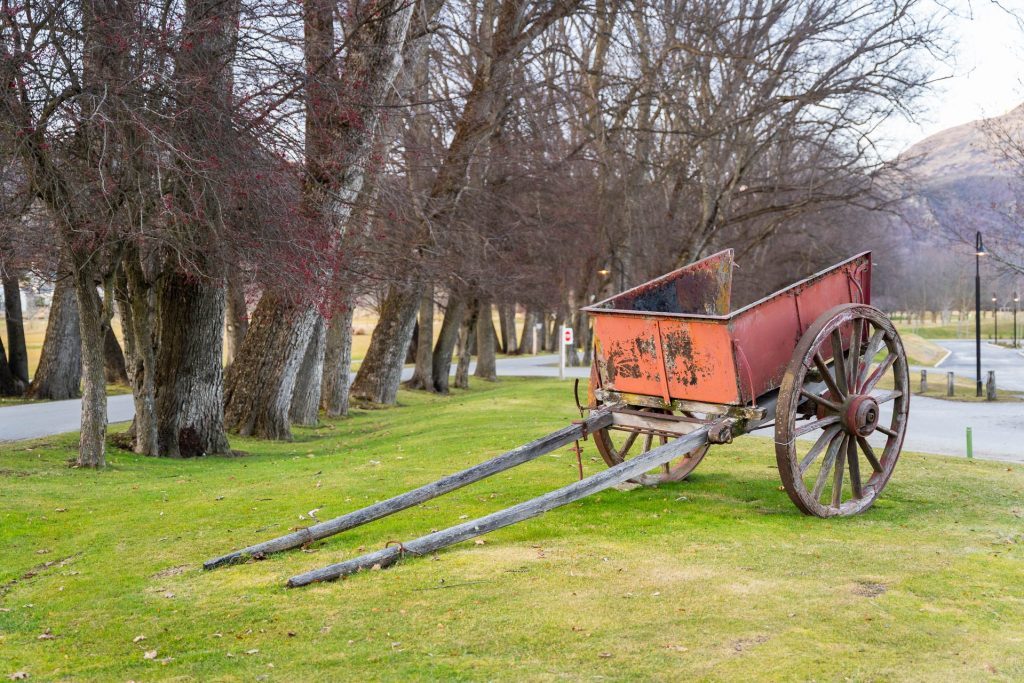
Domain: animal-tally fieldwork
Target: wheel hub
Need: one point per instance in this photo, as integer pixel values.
(861, 414)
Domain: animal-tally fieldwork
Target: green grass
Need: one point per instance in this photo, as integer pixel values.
(716, 578)
(920, 351)
(963, 329)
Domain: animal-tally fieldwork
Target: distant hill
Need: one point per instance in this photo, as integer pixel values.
(959, 179)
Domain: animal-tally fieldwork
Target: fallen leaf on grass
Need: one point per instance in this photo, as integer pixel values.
(605, 655)
(480, 541)
(168, 594)
(138, 639)
(252, 651)
(18, 676)
(149, 654)
(45, 635)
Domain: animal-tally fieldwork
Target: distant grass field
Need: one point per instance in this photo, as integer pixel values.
(718, 578)
(920, 351)
(964, 329)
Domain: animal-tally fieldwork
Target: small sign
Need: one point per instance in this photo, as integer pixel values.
(567, 336)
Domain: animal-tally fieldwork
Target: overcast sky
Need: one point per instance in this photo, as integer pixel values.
(987, 78)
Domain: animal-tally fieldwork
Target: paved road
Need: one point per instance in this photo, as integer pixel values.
(935, 426)
(1007, 363)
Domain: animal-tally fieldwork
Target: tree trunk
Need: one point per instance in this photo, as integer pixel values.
(93, 325)
(588, 344)
(381, 370)
(454, 314)
(526, 340)
(501, 338)
(8, 385)
(59, 375)
(305, 408)
(189, 368)
(260, 383)
(510, 342)
(17, 353)
(338, 362)
(465, 354)
(553, 340)
(410, 352)
(114, 363)
(138, 326)
(423, 375)
(486, 367)
(574, 350)
(237, 316)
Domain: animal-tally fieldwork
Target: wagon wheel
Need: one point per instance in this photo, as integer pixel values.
(844, 406)
(617, 444)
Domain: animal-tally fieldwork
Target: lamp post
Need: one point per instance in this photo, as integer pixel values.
(1016, 305)
(995, 318)
(617, 264)
(979, 251)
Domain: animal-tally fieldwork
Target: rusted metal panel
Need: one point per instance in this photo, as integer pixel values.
(702, 288)
(768, 330)
(690, 359)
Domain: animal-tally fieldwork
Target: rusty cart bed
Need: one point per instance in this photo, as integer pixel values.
(676, 371)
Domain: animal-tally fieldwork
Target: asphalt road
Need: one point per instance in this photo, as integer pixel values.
(1007, 363)
(935, 426)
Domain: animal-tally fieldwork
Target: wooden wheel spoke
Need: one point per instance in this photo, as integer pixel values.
(886, 396)
(824, 440)
(826, 465)
(837, 479)
(826, 376)
(820, 400)
(885, 430)
(853, 462)
(628, 444)
(874, 344)
(869, 453)
(648, 439)
(839, 363)
(855, 336)
(882, 368)
(817, 424)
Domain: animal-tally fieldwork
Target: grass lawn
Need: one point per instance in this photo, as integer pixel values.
(716, 578)
(920, 351)
(963, 329)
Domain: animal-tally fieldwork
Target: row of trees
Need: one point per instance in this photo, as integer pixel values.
(242, 172)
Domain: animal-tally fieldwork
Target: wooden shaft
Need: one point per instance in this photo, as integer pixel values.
(517, 513)
(517, 456)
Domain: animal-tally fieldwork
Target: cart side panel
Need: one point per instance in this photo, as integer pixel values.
(702, 288)
(766, 334)
(665, 357)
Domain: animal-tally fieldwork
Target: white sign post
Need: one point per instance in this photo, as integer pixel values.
(566, 334)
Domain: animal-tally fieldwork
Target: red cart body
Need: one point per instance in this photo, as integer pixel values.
(675, 337)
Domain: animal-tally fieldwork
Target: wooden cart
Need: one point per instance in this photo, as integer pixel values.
(670, 353)
(677, 371)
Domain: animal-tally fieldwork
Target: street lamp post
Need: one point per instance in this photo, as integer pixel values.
(1016, 305)
(995, 318)
(979, 251)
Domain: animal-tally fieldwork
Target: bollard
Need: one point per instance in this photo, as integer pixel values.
(990, 386)
(924, 381)
(970, 444)
(949, 383)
